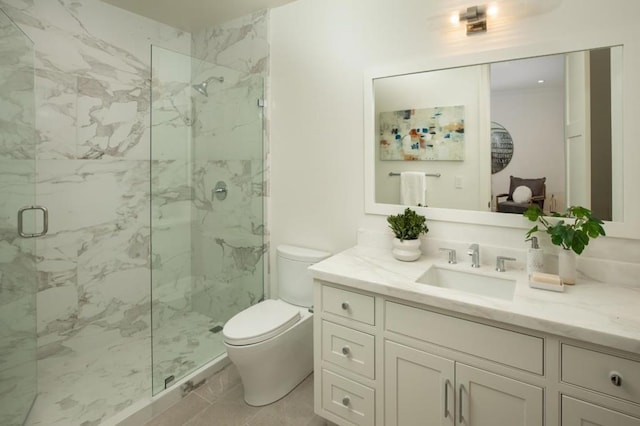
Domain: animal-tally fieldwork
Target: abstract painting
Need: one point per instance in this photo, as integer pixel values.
(425, 134)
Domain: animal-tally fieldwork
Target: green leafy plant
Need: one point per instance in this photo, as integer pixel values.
(408, 225)
(573, 235)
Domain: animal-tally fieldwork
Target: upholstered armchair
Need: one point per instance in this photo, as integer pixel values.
(526, 191)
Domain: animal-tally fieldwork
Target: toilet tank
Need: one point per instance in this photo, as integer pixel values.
(295, 284)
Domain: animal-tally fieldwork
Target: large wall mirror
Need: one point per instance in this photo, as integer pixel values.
(564, 115)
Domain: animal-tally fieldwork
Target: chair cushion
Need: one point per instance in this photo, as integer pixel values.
(522, 194)
(536, 185)
(512, 207)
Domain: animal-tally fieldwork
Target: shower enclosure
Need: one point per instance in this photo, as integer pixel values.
(207, 241)
(17, 254)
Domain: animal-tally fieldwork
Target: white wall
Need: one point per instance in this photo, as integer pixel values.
(319, 51)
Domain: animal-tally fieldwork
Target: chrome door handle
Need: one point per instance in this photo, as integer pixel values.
(45, 221)
(460, 405)
(446, 398)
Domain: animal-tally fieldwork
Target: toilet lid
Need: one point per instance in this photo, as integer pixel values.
(260, 322)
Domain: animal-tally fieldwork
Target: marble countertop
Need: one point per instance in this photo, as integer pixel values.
(607, 314)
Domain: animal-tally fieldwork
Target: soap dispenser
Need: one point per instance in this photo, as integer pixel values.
(535, 257)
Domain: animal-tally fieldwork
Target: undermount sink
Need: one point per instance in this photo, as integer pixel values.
(470, 282)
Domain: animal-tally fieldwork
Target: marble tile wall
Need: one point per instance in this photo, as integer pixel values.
(17, 255)
(92, 68)
(229, 265)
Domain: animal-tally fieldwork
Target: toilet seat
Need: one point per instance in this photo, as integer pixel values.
(260, 322)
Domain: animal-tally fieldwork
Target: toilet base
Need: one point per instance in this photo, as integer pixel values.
(271, 369)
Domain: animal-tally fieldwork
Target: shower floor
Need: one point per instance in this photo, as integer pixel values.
(99, 373)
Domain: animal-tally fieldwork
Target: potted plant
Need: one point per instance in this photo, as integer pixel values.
(407, 228)
(572, 236)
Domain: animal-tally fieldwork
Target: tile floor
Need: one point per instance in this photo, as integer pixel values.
(219, 402)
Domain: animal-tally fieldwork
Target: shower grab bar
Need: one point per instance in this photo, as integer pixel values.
(426, 174)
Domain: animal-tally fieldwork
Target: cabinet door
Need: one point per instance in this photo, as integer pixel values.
(580, 413)
(419, 388)
(488, 399)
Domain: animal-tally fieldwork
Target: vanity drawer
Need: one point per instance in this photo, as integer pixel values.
(348, 348)
(348, 399)
(593, 370)
(348, 304)
(581, 413)
(496, 344)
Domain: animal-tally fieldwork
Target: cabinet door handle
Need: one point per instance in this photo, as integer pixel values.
(460, 419)
(346, 401)
(346, 350)
(345, 306)
(446, 398)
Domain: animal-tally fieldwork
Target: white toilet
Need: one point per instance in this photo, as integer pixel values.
(271, 343)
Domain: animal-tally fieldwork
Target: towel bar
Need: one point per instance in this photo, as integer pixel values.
(426, 174)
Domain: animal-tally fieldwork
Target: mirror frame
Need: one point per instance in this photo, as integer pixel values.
(629, 157)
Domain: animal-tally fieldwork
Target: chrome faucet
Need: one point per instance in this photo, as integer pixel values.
(500, 262)
(452, 254)
(474, 252)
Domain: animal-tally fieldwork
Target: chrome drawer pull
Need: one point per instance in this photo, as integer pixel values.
(616, 378)
(345, 305)
(346, 350)
(346, 401)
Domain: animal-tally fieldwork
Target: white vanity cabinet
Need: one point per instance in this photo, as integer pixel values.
(602, 377)
(389, 351)
(344, 361)
(364, 377)
(419, 387)
(424, 388)
(386, 361)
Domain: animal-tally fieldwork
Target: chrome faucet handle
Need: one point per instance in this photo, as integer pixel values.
(452, 255)
(474, 252)
(500, 262)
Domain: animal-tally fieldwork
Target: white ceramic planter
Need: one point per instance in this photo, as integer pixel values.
(567, 266)
(406, 250)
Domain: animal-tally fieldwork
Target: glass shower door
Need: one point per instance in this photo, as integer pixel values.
(17, 254)
(207, 242)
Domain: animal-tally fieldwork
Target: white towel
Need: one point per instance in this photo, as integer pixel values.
(413, 188)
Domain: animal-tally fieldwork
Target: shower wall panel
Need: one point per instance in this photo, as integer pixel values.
(92, 121)
(229, 266)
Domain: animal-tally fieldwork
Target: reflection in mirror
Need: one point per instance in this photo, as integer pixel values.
(501, 147)
(563, 113)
